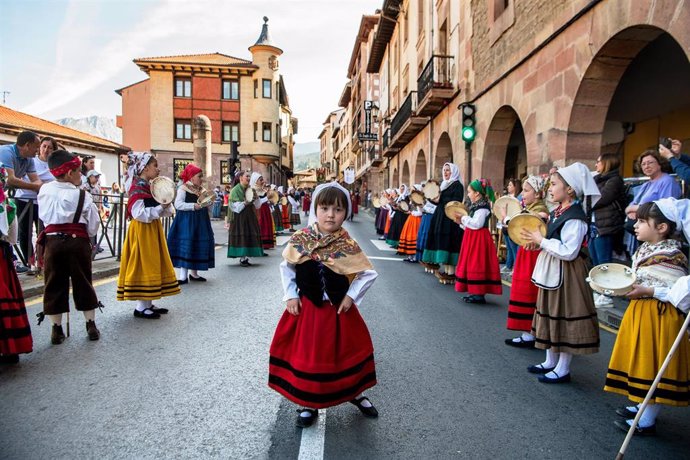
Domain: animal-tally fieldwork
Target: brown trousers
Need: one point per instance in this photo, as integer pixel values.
(65, 258)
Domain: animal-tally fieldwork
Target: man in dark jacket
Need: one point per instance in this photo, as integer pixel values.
(680, 162)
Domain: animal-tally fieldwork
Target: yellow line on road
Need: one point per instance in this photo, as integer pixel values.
(39, 299)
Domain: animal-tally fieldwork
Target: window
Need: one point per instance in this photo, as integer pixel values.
(499, 7)
(266, 129)
(231, 89)
(256, 131)
(256, 89)
(231, 132)
(420, 17)
(266, 91)
(406, 28)
(183, 130)
(183, 87)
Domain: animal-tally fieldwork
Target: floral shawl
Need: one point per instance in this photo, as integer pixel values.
(659, 265)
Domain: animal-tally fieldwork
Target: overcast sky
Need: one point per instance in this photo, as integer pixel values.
(61, 58)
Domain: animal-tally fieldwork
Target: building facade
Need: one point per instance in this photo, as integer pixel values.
(553, 82)
(195, 107)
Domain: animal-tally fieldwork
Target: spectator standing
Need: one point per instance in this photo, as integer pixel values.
(88, 163)
(94, 188)
(680, 162)
(217, 203)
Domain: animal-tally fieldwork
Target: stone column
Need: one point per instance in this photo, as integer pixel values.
(202, 146)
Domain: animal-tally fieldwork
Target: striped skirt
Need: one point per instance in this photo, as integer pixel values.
(408, 237)
(15, 332)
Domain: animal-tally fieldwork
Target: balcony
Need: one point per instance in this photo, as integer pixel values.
(375, 157)
(406, 124)
(435, 86)
(388, 150)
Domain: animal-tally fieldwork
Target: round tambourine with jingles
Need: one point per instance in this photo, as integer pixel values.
(163, 189)
(375, 201)
(383, 201)
(417, 197)
(509, 204)
(273, 197)
(525, 221)
(454, 209)
(249, 195)
(432, 191)
(611, 279)
(206, 198)
(404, 207)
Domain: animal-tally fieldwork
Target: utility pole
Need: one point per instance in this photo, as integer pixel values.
(4, 97)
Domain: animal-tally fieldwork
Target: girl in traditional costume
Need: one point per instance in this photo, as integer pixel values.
(565, 323)
(649, 326)
(146, 271)
(445, 236)
(190, 239)
(277, 215)
(523, 292)
(398, 219)
(427, 214)
(15, 332)
(322, 354)
(294, 206)
(408, 236)
(266, 226)
(285, 210)
(244, 240)
(478, 272)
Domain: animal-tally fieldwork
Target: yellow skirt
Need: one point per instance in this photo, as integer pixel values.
(146, 271)
(647, 332)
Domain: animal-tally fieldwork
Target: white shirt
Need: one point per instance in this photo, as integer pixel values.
(477, 221)
(57, 203)
(295, 205)
(44, 174)
(147, 215)
(678, 295)
(359, 286)
(572, 234)
(180, 204)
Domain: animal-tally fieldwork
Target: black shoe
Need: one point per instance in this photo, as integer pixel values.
(160, 311)
(92, 330)
(198, 278)
(539, 369)
(367, 411)
(558, 379)
(9, 359)
(181, 282)
(245, 263)
(474, 299)
(305, 422)
(146, 314)
(647, 431)
(57, 336)
(521, 343)
(625, 413)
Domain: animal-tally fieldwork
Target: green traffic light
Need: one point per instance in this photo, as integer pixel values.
(468, 134)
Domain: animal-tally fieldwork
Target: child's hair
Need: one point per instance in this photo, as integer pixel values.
(331, 196)
(572, 195)
(58, 158)
(650, 211)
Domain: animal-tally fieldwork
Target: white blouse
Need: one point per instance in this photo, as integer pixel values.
(180, 204)
(678, 295)
(57, 203)
(477, 221)
(359, 286)
(147, 215)
(572, 234)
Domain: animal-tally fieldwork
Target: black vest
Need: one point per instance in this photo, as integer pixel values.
(484, 206)
(150, 203)
(313, 279)
(190, 197)
(575, 211)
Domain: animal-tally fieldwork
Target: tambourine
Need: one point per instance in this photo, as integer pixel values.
(526, 221)
(454, 209)
(417, 197)
(404, 207)
(206, 198)
(163, 190)
(375, 201)
(611, 279)
(383, 201)
(249, 195)
(432, 190)
(509, 204)
(273, 197)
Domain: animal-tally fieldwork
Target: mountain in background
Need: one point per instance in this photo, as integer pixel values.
(307, 155)
(98, 126)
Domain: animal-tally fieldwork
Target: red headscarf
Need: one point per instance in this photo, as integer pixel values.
(190, 171)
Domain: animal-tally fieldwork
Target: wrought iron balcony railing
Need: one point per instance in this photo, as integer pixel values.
(436, 74)
(407, 109)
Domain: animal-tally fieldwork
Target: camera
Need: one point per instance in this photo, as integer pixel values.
(666, 142)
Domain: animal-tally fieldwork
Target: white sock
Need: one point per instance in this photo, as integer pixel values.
(365, 402)
(527, 337)
(194, 273)
(182, 273)
(649, 415)
(56, 319)
(634, 408)
(551, 359)
(305, 414)
(90, 315)
(563, 367)
(143, 304)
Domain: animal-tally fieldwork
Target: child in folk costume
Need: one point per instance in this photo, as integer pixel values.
(408, 236)
(15, 332)
(266, 227)
(478, 272)
(322, 354)
(523, 292)
(190, 238)
(649, 326)
(284, 210)
(244, 240)
(294, 206)
(146, 271)
(381, 218)
(70, 219)
(565, 322)
(398, 218)
(277, 215)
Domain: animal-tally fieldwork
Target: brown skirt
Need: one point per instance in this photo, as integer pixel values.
(566, 320)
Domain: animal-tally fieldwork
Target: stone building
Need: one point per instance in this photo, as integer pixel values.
(553, 82)
(195, 107)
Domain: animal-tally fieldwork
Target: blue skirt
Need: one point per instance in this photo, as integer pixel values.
(422, 234)
(190, 240)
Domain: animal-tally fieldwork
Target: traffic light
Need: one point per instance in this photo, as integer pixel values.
(469, 121)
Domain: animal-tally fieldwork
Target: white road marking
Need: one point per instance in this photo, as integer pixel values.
(282, 239)
(382, 246)
(384, 258)
(313, 439)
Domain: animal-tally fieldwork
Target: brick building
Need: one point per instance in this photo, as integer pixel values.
(193, 107)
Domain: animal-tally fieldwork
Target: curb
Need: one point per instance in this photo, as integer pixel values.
(37, 291)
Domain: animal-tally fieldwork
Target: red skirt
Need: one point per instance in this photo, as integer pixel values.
(15, 332)
(286, 217)
(388, 224)
(321, 359)
(477, 272)
(523, 293)
(268, 237)
(408, 236)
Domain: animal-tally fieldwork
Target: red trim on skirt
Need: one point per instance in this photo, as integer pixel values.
(268, 237)
(523, 293)
(15, 332)
(477, 271)
(321, 359)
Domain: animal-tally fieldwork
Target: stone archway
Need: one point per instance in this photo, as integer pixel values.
(444, 154)
(626, 67)
(420, 174)
(505, 150)
(405, 179)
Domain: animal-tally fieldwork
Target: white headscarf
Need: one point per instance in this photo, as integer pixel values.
(136, 164)
(403, 194)
(280, 189)
(273, 186)
(320, 188)
(536, 182)
(677, 211)
(417, 187)
(578, 176)
(454, 176)
(255, 177)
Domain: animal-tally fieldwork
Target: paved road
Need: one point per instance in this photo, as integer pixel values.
(192, 385)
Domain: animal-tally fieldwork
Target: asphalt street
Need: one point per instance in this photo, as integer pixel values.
(193, 384)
